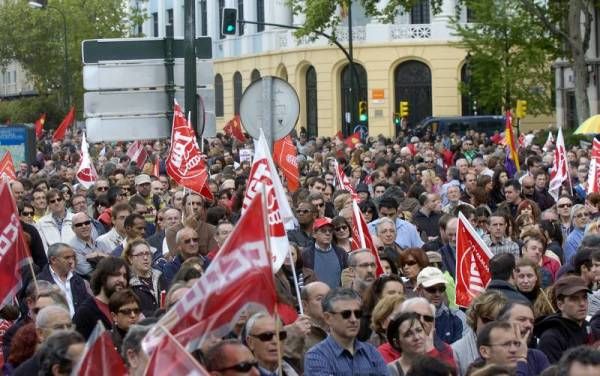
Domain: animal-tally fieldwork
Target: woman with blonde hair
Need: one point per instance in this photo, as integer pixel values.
(385, 309)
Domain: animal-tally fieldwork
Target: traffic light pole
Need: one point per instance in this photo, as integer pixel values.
(346, 53)
(189, 65)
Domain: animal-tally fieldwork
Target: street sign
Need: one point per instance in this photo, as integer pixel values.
(19, 139)
(120, 49)
(269, 103)
(141, 74)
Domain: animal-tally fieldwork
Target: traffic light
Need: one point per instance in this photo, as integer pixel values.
(521, 108)
(404, 109)
(229, 19)
(397, 119)
(363, 111)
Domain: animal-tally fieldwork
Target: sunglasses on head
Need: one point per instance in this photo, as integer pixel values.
(268, 336)
(347, 313)
(240, 367)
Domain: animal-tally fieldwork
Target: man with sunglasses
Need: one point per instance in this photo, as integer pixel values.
(187, 246)
(341, 353)
(303, 235)
(266, 338)
(450, 324)
(230, 357)
(55, 227)
(86, 249)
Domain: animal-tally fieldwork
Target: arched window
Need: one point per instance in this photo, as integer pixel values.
(237, 92)
(312, 124)
(219, 107)
(412, 83)
(255, 75)
(350, 101)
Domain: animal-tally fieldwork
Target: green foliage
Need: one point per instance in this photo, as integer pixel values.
(34, 38)
(29, 109)
(509, 55)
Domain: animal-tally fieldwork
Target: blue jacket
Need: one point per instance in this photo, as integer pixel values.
(448, 326)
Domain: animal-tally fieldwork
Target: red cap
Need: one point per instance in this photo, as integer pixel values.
(320, 222)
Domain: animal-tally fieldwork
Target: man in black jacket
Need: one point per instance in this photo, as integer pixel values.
(111, 275)
(59, 272)
(502, 267)
(568, 328)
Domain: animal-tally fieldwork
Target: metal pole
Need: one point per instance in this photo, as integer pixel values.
(354, 86)
(169, 65)
(189, 67)
(67, 83)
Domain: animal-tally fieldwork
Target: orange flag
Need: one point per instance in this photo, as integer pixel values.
(60, 132)
(7, 168)
(39, 126)
(284, 153)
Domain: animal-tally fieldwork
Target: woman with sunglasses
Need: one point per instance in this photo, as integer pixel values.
(368, 210)
(124, 306)
(411, 262)
(580, 218)
(147, 283)
(341, 233)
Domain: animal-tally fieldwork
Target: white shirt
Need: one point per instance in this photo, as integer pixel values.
(109, 241)
(65, 287)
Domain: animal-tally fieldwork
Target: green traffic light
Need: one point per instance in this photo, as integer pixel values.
(230, 28)
(363, 117)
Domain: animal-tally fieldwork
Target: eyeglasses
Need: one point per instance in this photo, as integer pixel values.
(268, 336)
(142, 254)
(584, 214)
(86, 223)
(410, 263)
(565, 205)
(188, 241)
(341, 228)
(347, 313)
(433, 289)
(240, 367)
(303, 211)
(129, 311)
(506, 345)
(27, 213)
(320, 205)
(102, 189)
(55, 200)
(426, 318)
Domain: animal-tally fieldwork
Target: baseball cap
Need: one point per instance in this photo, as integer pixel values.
(434, 256)
(430, 276)
(320, 222)
(142, 179)
(569, 285)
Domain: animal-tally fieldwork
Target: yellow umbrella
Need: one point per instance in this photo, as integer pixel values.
(590, 126)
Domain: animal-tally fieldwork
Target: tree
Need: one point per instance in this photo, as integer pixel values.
(571, 23)
(509, 56)
(34, 38)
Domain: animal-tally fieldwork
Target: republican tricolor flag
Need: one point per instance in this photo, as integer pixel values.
(472, 263)
(511, 163)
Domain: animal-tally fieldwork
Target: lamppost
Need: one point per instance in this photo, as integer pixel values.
(40, 4)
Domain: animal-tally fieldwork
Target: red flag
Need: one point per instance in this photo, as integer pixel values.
(137, 153)
(86, 173)
(239, 276)
(100, 357)
(560, 168)
(60, 132)
(7, 168)
(594, 172)
(284, 153)
(184, 163)
(472, 263)
(361, 237)
(156, 167)
(234, 129)
(340, 135)
(39, 126)
(342, 182)
(14, 251)
(353, 140)
(173, 359)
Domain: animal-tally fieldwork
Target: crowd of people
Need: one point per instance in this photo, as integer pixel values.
(124, 251)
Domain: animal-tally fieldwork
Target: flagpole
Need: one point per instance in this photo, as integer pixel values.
(277, 331)
(361, 234)
(178, 344)
(296, 282)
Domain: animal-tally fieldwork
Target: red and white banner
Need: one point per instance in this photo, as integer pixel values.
(549, 142)
(173, 359)
(137, 154)
(100, 358)
(594, 170)
(14, 251)
(472, 263)
(342, 182)
(39, 126)
(184, 163)
(285, 154)
(240, 276)
(264, 173)
(7, 168)
(86, 173)
(361, 237)
(560, 168)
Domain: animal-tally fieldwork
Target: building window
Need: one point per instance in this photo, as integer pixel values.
(470, 15)
(155, 24)
(240, 7)
(237, 92)
(221, 6)
(312, 119)
(349, 103)
(412, 83)
(260, 14)
(203, 18)
(169, 16)
(419, 13)
(219, 107)
(255, 75)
